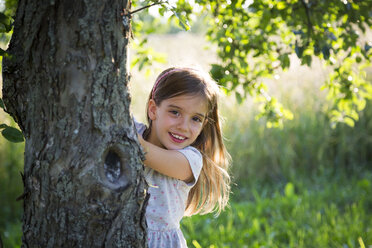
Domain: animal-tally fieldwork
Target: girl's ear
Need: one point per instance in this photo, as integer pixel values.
(152, 109)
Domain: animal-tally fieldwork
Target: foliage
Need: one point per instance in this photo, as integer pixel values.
(144, 24)
(10, 7)
(6, 24)
(145, 56)
(6, 21)
(256, 38)
(12, 134)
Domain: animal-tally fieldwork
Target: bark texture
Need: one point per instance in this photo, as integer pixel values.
(65, 83)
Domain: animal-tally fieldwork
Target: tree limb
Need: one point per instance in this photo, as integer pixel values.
(145, 7)
(309, 23)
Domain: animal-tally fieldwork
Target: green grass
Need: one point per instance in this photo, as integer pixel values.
(327, 213)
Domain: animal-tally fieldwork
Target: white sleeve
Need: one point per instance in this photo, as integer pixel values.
(195, 160)
(140, 127)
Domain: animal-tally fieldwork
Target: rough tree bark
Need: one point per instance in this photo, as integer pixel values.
(65, 83)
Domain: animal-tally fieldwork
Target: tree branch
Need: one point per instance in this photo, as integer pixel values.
(145, 7)
(309, 23)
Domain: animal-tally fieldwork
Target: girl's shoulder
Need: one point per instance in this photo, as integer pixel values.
(191, 150)
(140, 127)
(191, 153)
(195, 159)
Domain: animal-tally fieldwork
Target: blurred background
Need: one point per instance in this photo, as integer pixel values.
(304, 185)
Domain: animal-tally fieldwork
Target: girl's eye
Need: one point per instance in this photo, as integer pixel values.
(197, 119)
(174, 112)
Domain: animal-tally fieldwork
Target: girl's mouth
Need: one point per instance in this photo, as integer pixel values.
(177, 138)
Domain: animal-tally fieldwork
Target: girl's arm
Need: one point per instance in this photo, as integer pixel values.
(167, 162)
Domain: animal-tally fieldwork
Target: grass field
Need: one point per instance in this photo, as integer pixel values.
(332, 214)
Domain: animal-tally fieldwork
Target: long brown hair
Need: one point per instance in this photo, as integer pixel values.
(211, 191)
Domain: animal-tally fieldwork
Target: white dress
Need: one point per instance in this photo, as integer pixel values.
(167, 202)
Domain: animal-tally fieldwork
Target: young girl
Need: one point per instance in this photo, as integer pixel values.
(186, 161)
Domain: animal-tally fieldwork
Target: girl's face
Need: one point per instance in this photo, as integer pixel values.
(177, 121)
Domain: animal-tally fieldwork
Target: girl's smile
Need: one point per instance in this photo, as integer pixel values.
(177, 138)
(177, 121)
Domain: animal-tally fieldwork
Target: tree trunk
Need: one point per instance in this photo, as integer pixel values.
(65, 83)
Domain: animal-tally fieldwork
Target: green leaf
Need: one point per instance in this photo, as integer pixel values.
(306, 60)
(5, 23)
(2, 126)
(182, 20)
(299, 50)
(162, 10)
(284, 60)
(367, 47)
(348, 121)
(280, 5)
(239, 97)
(325, 51)
(143, 62)
(196, 244)
(12, 134)
(217, 72)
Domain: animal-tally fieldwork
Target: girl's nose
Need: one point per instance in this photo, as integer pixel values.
(182, 124)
